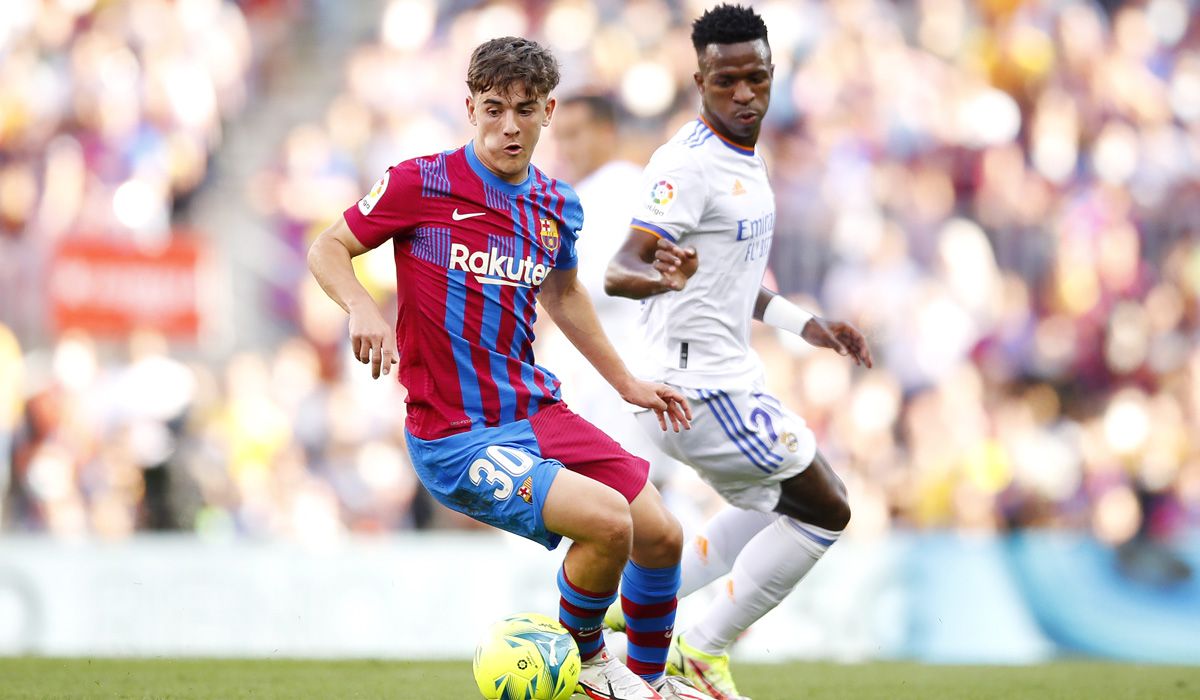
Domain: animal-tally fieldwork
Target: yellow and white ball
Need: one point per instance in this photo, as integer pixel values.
(526, 657)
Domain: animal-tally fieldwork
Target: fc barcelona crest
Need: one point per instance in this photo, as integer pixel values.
(548, 231)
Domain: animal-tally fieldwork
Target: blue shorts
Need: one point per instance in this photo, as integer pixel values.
(496, 475)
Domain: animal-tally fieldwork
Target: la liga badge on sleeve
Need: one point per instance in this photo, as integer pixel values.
(366, 204)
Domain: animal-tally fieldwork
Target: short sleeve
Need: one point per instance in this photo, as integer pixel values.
(388, 209)
(572, 220)
(672, 195)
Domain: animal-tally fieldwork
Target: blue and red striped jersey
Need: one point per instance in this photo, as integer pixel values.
(471, 252)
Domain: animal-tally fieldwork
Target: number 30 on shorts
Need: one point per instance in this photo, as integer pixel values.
(511, 463)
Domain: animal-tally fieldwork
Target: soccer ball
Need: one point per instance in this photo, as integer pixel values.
(526, 657)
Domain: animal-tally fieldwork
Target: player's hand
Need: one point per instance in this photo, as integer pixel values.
(675, 265)
(373, 341)
(840, 337)
(667, 403)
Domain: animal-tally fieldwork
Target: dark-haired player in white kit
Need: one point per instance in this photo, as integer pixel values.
(697, 254)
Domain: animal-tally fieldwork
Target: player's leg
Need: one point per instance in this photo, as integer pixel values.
(649, 594)
(775, 560)
(746, 445)
(500, 476)
(710, 554)
(650, 584)
(596, 518)
(651, 578)
(814, 512)
(592, 458)
(816, 496)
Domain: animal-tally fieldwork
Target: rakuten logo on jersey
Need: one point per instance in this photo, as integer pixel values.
(490, 267)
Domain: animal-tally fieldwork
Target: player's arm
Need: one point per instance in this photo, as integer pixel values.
(647, 265)
(372, 339)
(566, 300)
(774, 310)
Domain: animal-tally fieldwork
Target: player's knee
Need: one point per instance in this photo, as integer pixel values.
(829, 510)
(660, 540)
(837, 512)
(611, 524)
(614, 533)
(672, 534)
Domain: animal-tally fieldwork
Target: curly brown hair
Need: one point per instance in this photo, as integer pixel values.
(512, 62)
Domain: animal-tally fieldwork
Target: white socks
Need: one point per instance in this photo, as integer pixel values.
(765, 571)
(710, 555)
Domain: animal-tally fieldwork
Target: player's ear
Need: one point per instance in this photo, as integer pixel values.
(471, 110)
(699, 78)
(550, 104)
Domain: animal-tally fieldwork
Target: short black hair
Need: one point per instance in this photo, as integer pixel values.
(727, 24)
(601, 107)
(512, 62)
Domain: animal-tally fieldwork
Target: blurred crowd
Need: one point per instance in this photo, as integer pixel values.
(108, 113)
(1004, 195)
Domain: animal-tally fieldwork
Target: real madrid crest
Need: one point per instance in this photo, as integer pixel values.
(548, 232)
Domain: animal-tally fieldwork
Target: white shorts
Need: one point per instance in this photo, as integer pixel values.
(743, 443)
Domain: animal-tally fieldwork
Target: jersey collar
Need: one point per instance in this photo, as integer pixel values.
(490, 178)
(736, 147)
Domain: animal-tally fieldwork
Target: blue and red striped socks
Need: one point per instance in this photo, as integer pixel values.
(648, 601)
(582, 613)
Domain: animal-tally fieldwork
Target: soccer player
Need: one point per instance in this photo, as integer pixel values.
(586, 133)
(697, 254)
(477, 233)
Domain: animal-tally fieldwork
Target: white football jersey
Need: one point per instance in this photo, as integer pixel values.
(703, 191)
(607, 197)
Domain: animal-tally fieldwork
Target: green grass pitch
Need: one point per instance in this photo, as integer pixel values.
(45, 679)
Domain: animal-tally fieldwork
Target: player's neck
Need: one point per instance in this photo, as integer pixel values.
(479, 163)
(745, 142)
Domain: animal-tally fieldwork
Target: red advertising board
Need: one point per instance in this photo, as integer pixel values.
(111, 288)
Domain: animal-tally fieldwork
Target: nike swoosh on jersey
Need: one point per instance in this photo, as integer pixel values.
(459, 217)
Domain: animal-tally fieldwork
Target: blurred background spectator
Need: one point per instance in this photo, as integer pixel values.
(1004, 195)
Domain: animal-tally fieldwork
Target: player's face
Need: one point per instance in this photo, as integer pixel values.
(507, 127)
(735, 87)
(584, 142)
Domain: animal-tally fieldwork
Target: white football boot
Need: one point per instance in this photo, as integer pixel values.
(678, 688)
(604, 677)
